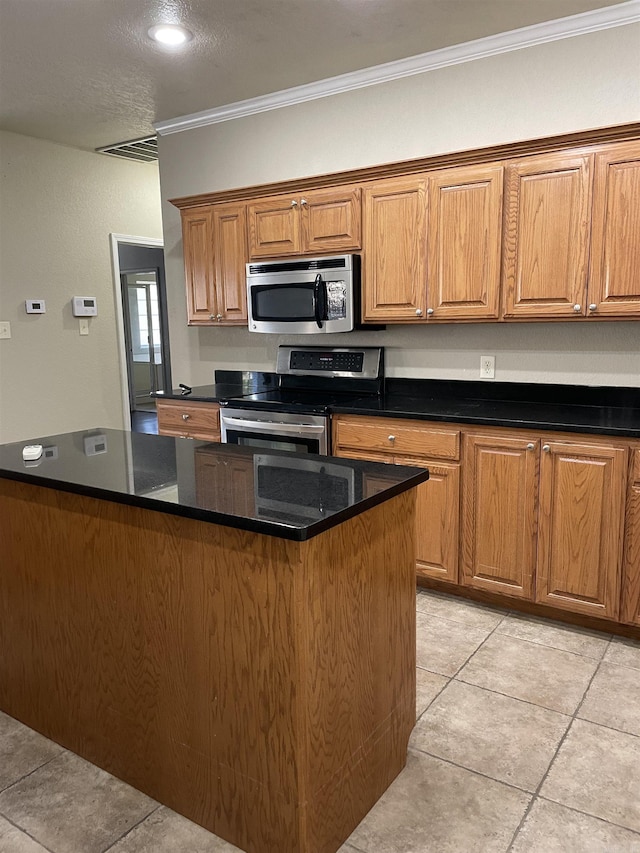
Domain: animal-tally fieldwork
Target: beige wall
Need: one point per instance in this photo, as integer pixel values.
(58, 206)
(569, 85)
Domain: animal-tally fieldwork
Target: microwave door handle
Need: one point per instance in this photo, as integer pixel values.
(319, 300)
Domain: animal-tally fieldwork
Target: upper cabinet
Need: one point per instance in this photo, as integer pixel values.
(215, 254)
(432, 246)
(316, 222)
(572, 235)
(546, 236)
(553, 235)
(614, 283)
(464, 243)
(395, 239)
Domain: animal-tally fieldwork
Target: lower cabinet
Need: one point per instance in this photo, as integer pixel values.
(581, 527)
(543, 520)
(499, 501)
(406, 442)
(189, 420)
(536, 516)
(631, 565)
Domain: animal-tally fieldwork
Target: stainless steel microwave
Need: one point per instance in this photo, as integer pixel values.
(304, 295)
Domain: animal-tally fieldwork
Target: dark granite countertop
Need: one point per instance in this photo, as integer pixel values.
(586, 409)
(271, 492)
(605, 410)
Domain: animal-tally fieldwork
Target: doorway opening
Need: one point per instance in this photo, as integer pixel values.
(140, 290)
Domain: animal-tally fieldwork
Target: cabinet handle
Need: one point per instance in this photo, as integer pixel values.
(392, 438)
(593, 307)
(530, 446)
(294, 203)
(186, 417)
(429, 311)
(546, 448)
(577, 308)
(418, 312)
(303, 201)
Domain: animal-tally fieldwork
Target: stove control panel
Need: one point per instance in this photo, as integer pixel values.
(322, 361)
(347, 362)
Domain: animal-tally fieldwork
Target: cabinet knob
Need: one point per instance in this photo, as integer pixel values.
(218, 317)
(577, 308)
(294, 203)
(546, 448)
(418, 312)
(593, 307)
(186, 417)
(303, 201)
(530, 446)
(392, 438)
(429, 311)
(212, 316)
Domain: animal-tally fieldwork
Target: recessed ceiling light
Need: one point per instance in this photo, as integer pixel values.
(171, 35)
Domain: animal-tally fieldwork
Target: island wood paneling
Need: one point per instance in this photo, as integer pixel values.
(261, 687)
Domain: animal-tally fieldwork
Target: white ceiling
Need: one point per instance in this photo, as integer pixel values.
(84, 73)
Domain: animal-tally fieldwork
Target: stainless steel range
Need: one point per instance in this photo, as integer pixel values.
(295, 416)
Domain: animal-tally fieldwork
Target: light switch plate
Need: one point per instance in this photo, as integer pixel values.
(83, 324)
(5, 330)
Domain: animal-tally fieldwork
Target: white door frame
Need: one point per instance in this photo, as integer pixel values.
(115, 239)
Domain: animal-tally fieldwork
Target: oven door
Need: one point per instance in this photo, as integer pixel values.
(311, 304)
(298, 433)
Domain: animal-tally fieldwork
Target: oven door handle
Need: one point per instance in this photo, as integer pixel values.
(264, 426)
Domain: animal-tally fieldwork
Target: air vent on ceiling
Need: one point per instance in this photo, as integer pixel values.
(144, 150)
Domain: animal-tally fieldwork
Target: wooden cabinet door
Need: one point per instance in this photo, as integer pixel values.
(394, 263)
(546, 236)
(499, 499)
(581, 522)
(465, 239)
(437, 519)
(331, 220)
(631, 571)
(614, 286)
(197, 246)
(229, 223)
(274, 227)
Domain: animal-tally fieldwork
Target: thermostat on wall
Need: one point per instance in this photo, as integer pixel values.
(85, 306)
(34, 306)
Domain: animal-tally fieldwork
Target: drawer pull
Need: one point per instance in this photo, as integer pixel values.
(392, 438)
(186, 417)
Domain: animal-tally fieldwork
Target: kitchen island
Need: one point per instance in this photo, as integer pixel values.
(232, 631)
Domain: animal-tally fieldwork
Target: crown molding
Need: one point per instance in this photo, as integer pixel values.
(622, 14)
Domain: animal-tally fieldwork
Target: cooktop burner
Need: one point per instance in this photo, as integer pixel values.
(292, 400)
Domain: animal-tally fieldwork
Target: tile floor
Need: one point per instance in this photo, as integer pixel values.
(527, 741)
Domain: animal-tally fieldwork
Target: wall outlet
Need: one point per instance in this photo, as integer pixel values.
(5, 330)
(487, 366)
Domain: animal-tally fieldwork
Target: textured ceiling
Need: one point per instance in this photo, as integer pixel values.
(84, 73)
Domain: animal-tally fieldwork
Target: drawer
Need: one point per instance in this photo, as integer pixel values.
(178, 418)
(396, 436)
